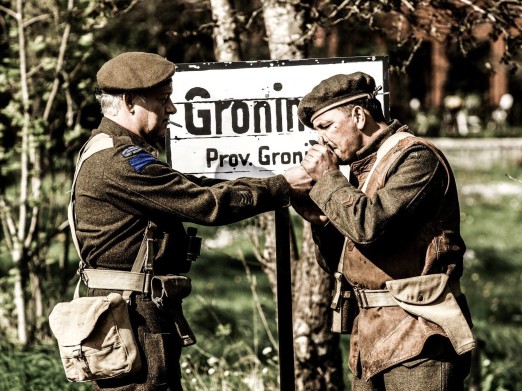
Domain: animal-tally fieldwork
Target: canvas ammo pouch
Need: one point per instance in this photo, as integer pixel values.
(95, 338)
(433, 298)
(169, 288)
(167, 293)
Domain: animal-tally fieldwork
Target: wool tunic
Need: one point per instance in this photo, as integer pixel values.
(407, 224)
(118, 191)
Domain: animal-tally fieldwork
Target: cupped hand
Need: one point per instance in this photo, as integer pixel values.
(319, 160)
(300, 182)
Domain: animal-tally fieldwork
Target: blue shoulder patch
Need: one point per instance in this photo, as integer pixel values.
(141, 160)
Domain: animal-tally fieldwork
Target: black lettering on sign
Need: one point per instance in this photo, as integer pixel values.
(204, 115)
(220, 107)
(266, 158)
(240, 108)
(232, 160)
(257, 117)
(239, 116)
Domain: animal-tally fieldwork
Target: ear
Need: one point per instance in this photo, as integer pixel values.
(359, 117)
(128, 99)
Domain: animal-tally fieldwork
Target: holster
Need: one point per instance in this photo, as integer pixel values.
(344, 306)
(167, 293)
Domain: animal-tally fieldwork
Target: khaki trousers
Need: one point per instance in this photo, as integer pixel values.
(438, 368)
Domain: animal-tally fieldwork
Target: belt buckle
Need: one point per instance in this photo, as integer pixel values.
(360, 296)
(336, 292)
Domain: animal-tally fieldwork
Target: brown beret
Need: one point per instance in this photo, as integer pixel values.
(333, 92)
(134, 71)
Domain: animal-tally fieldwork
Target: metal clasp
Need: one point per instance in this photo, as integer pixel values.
(360, 296)
(337, 291)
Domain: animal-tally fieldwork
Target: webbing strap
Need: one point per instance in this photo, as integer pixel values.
(110, 279)
(374, 298)
(386, 147)
(114, 279)
(96, 144)
(368, 298)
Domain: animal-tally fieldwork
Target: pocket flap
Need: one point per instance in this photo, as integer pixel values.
(418, 290)
(172, 286)
(72, 322)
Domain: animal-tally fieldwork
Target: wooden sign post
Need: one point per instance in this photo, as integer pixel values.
(284, 300)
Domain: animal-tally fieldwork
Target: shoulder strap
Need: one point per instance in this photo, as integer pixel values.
(96, 144)
(386, 147)
(145, 254)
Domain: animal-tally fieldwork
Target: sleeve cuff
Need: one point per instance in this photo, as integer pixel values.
(279, 190)
(325, 187)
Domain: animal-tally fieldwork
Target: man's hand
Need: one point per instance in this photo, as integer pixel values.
(309, 210)
(300, 182)
(320, 159)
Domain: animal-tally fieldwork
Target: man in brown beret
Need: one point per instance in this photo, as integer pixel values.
(390, 234)
(124, 195)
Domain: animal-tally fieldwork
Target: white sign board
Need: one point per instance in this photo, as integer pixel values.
(240, 118)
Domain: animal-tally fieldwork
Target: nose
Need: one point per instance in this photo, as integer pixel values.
(171, 109)
(321, 137)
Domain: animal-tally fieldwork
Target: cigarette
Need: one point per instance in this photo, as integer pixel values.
(175, 124)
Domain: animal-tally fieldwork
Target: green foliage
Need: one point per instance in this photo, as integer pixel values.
(500, 359)
(234, 351)
(221, 309)
(36, 369)
(237, 367)
(222, 295)
(406, 24)
(493, 275)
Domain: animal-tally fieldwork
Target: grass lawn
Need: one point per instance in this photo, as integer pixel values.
(236, 328)
(492, 279)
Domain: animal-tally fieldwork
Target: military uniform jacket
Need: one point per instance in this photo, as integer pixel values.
(406, 225)
(118, 190)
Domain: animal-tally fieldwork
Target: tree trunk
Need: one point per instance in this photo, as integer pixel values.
(226, 40)
(318, 356)
(19, 296)
(284, 29)
(318, 360)
(19, 260)
(267, 254)
(64, 264)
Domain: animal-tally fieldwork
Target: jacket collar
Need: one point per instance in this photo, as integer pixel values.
(392, 128)
(366, 156)
(118, 132)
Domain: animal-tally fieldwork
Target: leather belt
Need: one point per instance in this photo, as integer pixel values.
(368, 298)
(114, 279)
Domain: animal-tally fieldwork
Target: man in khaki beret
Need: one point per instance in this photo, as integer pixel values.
(390, 234)
(124, 193)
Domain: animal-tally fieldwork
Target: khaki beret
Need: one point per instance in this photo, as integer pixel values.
(134, 71)
(335, 91)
